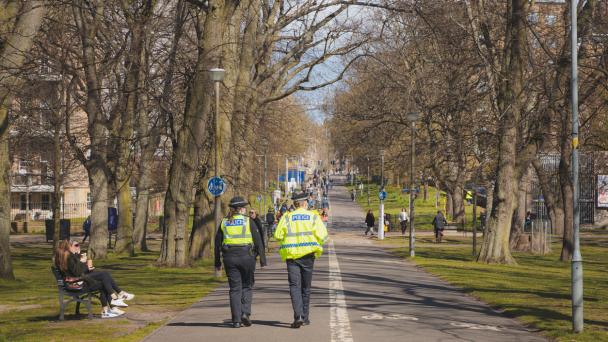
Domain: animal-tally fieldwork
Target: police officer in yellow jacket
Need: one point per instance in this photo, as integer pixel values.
(239, 241)
(301, 234)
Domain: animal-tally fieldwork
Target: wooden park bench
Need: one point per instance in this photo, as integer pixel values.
(67, 296)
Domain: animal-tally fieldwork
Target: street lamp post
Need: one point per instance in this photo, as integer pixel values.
(577, 259)
(381, 208)
(217, 76)
(412, 118)
(368, 204)
(474, 220)
(286, 177)
(264, 183)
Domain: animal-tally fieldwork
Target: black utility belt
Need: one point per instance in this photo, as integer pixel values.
(238, 246)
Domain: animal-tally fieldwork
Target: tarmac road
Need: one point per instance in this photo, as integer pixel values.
(360, 293)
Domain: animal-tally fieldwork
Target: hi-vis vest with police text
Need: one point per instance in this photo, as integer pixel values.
(236, 230)
(300, 232)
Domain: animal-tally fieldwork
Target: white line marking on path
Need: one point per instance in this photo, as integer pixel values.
(474, 326)
(377, 316)
(339, 323)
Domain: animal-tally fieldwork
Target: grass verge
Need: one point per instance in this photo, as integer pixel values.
(536, 290)
(29, 306)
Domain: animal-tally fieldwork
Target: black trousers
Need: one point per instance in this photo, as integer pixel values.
(403, 226)
(299, 275)
(239, 263)
(103, 281)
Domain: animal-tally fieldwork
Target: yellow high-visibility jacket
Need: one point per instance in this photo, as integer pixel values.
(237, 231)
(300, 232)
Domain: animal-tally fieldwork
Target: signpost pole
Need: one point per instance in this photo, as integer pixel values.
(381, 209)
(217, 75)
(577, 259)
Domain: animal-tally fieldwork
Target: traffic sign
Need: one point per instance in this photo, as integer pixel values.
(216, 186)
(382, 195)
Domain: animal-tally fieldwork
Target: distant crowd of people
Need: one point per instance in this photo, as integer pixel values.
(439, 223)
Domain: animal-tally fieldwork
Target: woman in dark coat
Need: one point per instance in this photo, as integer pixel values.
(369, 221)
(75, 266)
(439, 223)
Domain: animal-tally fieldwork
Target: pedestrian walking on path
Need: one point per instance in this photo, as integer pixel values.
(439, 223)
(403, 219)
(301, 235)
(239, 245)
(370, 220)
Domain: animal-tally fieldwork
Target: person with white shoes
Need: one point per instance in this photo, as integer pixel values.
(74, 265)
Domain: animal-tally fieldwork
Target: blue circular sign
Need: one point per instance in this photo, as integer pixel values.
(216, 186)
(382, 195)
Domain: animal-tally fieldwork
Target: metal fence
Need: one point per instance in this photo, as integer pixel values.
(586, 199)
(40, 211)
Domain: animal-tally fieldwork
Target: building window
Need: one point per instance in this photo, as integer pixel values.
(550, 19)
(23, 202)
(24, 166)
(89, 200)
(45, 202)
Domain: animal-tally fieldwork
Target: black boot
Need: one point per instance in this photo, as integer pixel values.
(306, 321)
(297, 323)
(246, 320)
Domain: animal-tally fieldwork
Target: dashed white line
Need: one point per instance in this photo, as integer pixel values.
(339, 322)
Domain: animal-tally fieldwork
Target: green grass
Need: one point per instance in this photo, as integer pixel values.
(535, 291)
(424, 211)
(29, 307)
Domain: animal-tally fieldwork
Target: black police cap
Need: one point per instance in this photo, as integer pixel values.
(299, 197)
(238, 202)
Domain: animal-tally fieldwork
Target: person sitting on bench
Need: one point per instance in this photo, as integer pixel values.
(74, 264)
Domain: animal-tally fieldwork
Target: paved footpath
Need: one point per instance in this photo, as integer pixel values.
(360, 293)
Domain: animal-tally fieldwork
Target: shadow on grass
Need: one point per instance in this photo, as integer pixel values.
(517, 311)
(68, 317)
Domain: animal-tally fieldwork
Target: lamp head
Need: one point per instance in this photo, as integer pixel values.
(413, 116)
(217, 74)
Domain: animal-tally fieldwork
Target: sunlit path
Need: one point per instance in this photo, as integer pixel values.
(360, 293)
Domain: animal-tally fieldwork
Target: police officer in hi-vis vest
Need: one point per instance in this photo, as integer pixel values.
(301, 234)
(239, 242)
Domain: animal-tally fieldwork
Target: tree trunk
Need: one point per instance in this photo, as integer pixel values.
(519, 216)
(130, 105)
(125, 219)
(449, 204)
(458, 205)
(16, 40)
(141, 218)
(495, 248)
(553, 200)
(186, 154)
(6, 266)
(567, 192)
(98, 243)
(150, 138)
(203, 230)
(57, 180)
(87, 17)
(426, 190)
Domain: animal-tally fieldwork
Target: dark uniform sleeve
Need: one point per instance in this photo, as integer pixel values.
(258, 242)
(219, 237)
